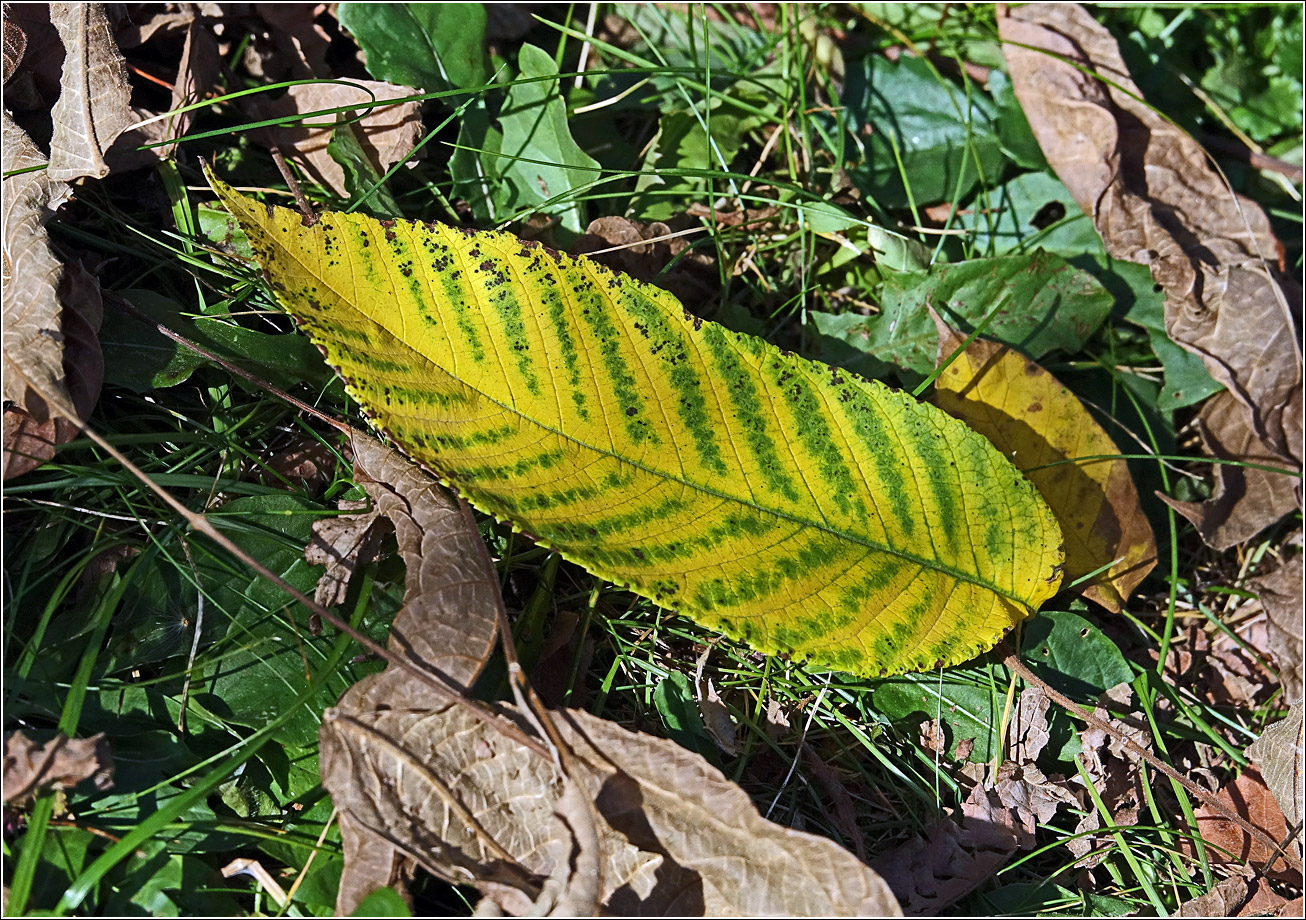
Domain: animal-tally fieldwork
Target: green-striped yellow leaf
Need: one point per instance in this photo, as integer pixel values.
(782, 502)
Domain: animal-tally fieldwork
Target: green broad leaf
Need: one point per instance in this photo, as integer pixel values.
(1073, 655)
(434, 46)
(533, 126)
(1013, 127)
(924, 133)
(799, 509)
(1045, 304)
(968, 710)
(682, 142)
(260, 662)
(673, 698)
(384, 902)
(360, 174)
(141, 358)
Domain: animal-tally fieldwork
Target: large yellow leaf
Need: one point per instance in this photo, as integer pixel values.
(779, 501)
(1028, 415)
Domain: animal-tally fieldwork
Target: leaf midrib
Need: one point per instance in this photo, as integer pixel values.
(935, 564)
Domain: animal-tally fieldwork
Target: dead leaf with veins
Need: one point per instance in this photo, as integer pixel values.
(33, 339)
(59, 763)
(1229, 845)
(1280, 755)
(388, 130)
(1155, 200)
(633, 823)
(94, 104)
(1280, 594)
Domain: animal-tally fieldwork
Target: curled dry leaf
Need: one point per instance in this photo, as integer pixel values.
(387, 132)
(1235, 897)
(33, 342)
(677, 837)
(1029, 416)
(1281, 596)
(1280, 754)
(644, 251)
(59, 763)
(94, 104)
(451, 594)
(1155, 200)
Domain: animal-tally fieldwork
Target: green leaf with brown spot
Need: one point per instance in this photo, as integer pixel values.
(782, 502)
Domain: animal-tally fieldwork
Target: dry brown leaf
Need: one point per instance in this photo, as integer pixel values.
(294, 27)
(953, 858)
(343, 544)
(644, 250)
(677, 836)
(1250, 798)
(1281, 595)
(1029, 726)
(451, 594)
(1221, 901)
(33, 341)
(1032, 798)
(387, 133)
(28, 443)
(1280, 755)
(94, 104)
(59, 763)
(1029, 416)
(1155, 200)
(15, 44)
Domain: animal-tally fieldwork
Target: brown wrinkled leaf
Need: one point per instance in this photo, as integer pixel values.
(677, 836)
(1243, 501)
(832, 784)
(1031, 797)
(1029, 726)
(33, 341)
(1281, 596)
(1280, 754)
(29, 443)
(94, 104)
(1250, 798)
(1029, 416)
(59, 763)
(1234, 898)
(343, 544)
(294, 27)
(954, 857)
(15, 44)
(451, 594)
(387, 133)
(1155, 200)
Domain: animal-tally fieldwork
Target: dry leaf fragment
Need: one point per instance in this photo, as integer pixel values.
(1249, 797)
(1029, 726)
(59, 763)
(94, 104)
(677, 836)
(388, 131)
(451, 594)
(1281, 596)
(1031, 797)
(953, 857)
(33, 341)
(1280, 755)
(1155, 200)
(15, 44)
(1029, 416)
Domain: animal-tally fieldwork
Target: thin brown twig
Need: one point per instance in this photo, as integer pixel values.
(1012, 661)
(310, 217)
